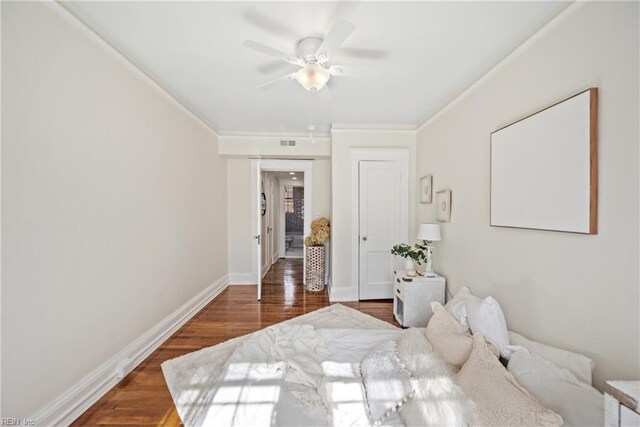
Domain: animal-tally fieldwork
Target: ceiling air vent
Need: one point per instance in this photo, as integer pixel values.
(287, 142)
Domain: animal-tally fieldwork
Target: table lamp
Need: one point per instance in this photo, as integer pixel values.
(428, 233)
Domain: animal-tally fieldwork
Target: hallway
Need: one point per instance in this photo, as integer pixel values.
(142, 397)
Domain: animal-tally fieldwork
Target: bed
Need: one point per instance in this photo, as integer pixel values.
(337, 366)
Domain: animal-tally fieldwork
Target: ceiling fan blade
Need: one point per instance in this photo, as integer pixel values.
(338, 33)
(324, 95)
(277, 81)
(269, 24)
(363, 53)
(368, 73)
(344, 9)
(271, 52)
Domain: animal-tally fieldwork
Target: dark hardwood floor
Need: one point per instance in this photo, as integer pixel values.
(142, 397)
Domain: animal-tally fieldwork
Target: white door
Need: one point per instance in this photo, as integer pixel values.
(380, 226)
(257, 226)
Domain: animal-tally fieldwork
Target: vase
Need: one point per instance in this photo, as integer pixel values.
(314, 280)
(410, 267)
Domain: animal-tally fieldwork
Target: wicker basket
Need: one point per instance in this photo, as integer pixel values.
(314, 281)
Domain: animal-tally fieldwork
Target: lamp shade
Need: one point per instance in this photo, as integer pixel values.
(313, 77)
(430, 232)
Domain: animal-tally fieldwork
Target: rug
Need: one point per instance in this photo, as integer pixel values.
(190, 378)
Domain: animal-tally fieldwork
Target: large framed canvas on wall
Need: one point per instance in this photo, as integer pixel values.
(544, 168)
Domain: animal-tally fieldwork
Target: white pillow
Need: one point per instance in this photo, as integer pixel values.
(579, 404)
(485, 317)
(387, 382)
(482, 316)
(578, 364)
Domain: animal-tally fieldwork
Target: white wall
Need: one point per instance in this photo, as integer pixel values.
(240, 240)
(113, 209)
(575, 291)
(239, 211)
(269, 146)
(342, 141)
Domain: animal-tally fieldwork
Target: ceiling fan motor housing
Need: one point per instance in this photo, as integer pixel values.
(307, 49)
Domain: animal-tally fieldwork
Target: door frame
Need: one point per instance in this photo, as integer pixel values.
(400, 155)
(278, 165)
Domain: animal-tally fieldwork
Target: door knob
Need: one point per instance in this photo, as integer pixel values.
(364, 238)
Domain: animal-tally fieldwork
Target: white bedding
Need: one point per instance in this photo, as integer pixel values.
(272, 378)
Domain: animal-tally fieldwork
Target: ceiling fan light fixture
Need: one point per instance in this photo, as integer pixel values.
(313, 77)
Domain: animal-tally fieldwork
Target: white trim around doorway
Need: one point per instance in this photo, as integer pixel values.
(382, 154)
(276, 165)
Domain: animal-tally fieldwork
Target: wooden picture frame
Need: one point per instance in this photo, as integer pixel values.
(443, 205)
(426, 189)
(544, 168)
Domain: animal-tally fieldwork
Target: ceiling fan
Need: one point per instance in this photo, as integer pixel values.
(312, 56)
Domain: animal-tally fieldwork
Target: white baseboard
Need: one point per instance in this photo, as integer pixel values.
(343, 294)
(241, 279)
(63, 410)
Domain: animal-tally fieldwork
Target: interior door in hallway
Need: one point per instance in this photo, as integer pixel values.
(380, 226)
(257, 225)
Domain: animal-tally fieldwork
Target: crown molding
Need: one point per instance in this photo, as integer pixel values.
(371, 127)
(507, 59)
(88, 32)
(251, 134)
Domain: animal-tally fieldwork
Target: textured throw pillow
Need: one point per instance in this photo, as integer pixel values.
(578, 364)
(387, 382)
(448, 337)
(485, 317)
(500, 400)
(579, 404)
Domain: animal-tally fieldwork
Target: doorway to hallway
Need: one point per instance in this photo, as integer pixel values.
(292, 209)
(269, 226)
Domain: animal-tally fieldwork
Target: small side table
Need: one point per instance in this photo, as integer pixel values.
(622, 403)
(412, 299)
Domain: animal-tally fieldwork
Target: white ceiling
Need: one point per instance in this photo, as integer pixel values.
(285, 176)
(194, 50)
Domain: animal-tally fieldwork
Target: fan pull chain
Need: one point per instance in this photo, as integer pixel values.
(312, 126)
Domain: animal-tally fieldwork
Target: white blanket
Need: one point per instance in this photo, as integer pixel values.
(297, 350)
(259, 380)
(193, 378)
(281, 368)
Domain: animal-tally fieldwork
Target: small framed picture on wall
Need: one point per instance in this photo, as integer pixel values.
(443, 205)
(426, 189)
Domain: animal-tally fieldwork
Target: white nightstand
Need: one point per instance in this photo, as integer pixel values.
(621, 403)
(412, 299)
